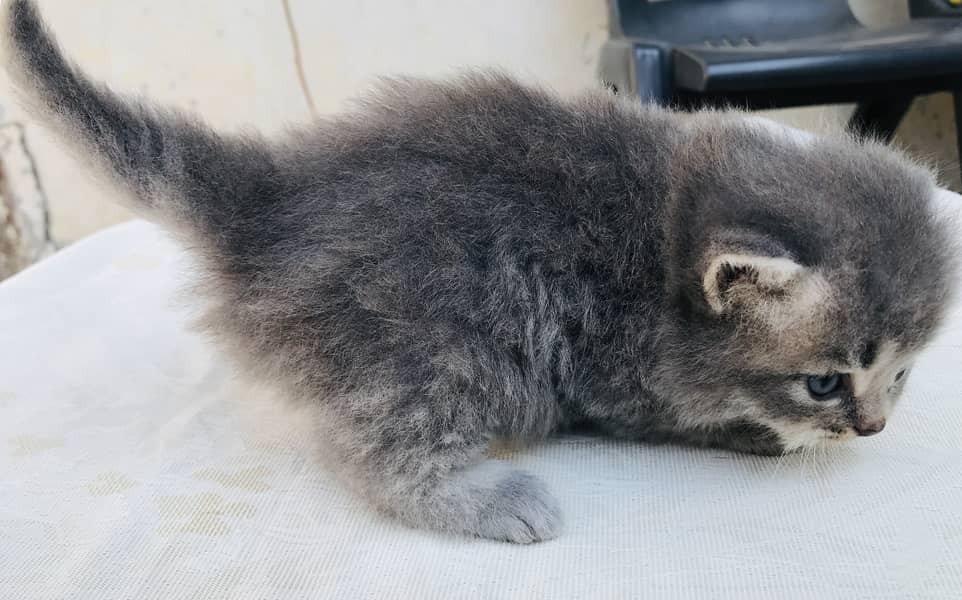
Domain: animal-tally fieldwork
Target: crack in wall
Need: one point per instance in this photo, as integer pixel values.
(298, 59)
(34, 174)
(25, 235)
(10, 235)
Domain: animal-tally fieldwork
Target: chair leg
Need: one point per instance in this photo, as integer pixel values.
(633, 69)
(651, 82)
(880, 117)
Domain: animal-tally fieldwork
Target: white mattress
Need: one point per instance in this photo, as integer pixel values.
(132, 467)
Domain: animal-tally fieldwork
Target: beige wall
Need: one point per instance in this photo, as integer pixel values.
(232, 61)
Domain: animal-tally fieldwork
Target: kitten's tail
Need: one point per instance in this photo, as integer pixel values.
(174, 169)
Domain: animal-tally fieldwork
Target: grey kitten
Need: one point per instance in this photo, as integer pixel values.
(451, 262)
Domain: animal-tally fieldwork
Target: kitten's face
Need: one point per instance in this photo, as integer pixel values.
(809, 275)
(804, 356)
(835, 392)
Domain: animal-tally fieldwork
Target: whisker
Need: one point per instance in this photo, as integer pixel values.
(821, 452)
(779, 460)
(804, 460)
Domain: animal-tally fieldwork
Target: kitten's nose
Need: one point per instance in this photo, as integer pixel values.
(869, 427)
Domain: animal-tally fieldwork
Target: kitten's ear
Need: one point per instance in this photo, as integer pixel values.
(775, 289)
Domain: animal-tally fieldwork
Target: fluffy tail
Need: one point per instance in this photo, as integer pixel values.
(175, 170)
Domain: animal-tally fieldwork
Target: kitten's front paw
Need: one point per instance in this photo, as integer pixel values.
(520, 510)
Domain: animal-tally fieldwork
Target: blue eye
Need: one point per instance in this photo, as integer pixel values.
(820, 386)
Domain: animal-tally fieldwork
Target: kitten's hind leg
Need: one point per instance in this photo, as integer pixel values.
(423, 462)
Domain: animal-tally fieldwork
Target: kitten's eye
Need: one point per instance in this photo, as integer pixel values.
(900, 375)
(820, 386)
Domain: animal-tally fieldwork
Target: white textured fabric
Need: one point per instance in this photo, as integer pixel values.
(132, 467)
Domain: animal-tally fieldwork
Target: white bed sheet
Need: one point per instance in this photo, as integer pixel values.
(133, 466)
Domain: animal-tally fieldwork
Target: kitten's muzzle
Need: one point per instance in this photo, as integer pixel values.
(866, 428)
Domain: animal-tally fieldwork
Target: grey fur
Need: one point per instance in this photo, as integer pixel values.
(455, 261)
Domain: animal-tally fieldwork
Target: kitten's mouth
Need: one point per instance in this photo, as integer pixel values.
(841, 436)
(817, 437)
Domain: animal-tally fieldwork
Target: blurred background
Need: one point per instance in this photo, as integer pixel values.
(271, 63)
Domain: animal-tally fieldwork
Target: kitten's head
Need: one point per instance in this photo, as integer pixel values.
(806, 274)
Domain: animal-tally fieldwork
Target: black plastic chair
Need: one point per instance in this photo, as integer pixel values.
(760, 54)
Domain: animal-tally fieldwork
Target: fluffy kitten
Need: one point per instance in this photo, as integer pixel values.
(455, 261)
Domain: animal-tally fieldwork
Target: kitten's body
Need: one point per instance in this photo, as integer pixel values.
(456, 261)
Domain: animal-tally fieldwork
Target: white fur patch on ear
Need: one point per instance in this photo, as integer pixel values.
(762, 272)
(777, 291)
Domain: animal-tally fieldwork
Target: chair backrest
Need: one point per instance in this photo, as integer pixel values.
(728, 21)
